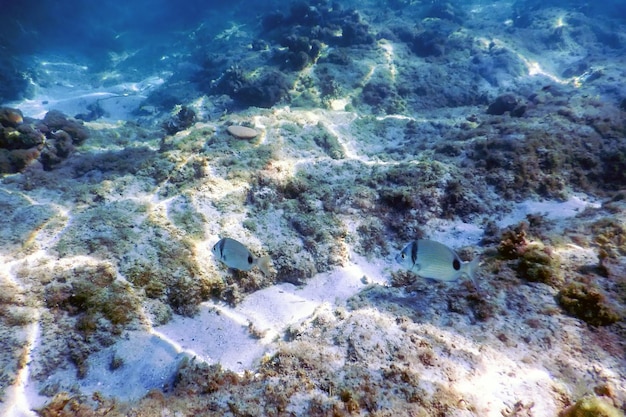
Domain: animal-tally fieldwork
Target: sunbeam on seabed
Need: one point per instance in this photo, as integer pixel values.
(16, 403)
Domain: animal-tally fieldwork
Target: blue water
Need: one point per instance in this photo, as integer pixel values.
(164, 35)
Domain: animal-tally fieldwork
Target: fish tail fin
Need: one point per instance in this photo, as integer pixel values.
(264, 264)
(470, 270)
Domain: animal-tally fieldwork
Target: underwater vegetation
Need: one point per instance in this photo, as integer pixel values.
(591, 406)
(544, 162)
(90, 295)
(325, 137)
(181, 120)
(578, 295)
(588, 304)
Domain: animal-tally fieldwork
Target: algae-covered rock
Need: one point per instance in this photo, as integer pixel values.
(587, 303)
(513, 241)
(610, 235)
(539, 264)
(23, 141)
(591, 407)
(93, 292)
(182, 119)
(329, 142)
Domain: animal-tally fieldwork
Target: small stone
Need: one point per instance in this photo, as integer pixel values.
(242, 132)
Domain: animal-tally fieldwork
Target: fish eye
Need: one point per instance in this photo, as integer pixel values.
(456, 264)
(403, 255)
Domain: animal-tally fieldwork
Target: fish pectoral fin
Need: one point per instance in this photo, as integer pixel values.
(264, 264)
(416, 267)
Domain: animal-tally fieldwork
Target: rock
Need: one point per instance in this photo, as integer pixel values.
(429, 43)
(56, 120)
(183, 119)
(10, 117)
(22, 141)
(502, 104)
(242, 132)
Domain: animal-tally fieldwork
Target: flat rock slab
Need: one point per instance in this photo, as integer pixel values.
(242, 132)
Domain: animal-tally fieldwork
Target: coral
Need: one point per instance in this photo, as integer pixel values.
(320, 22)
(614, 168)
(200, 378)
(91, 307)
(10, 117)
(467, 300)
(64, 405)
(446, 11)
(356, 32)
(429, 43)
(58, 147)
(301, 51)
(535, 261)
(497, 65)
(458, 200)
(587, 303)
(518, 168)
(513, 241)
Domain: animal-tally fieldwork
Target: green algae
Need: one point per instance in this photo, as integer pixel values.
(587, 303)
(592, 407)
(328, 141)
(106, 231)
(184, 216)
(535, 261)
(610, 236)
(93, 292)
(538, 263)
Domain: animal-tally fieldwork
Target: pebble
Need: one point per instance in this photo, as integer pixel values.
(242, 132)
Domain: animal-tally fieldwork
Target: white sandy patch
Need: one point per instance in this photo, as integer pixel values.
(553, 210)
(456, 233)
(223, 334)
(235, 337)
(117, 101)
(17, 401)
(146, 363)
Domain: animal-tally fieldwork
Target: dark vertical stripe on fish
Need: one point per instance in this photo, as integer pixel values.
(414, 252)
(221, 247)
